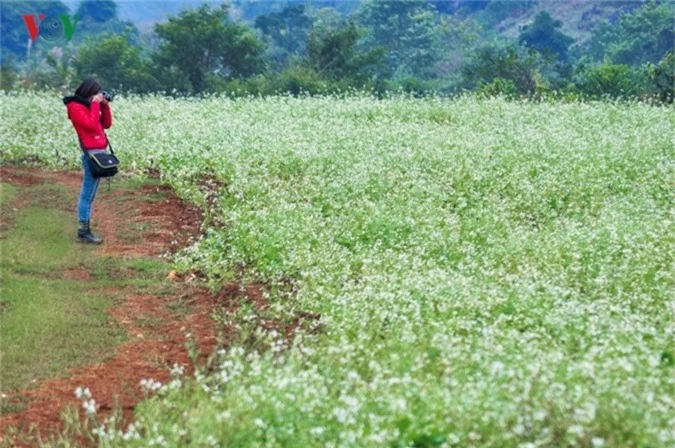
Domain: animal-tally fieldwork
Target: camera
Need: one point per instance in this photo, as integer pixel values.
(107, 95)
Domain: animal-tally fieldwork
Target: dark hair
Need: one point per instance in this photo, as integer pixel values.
(87, 88)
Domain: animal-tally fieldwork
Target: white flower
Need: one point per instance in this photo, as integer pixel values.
(89, 406)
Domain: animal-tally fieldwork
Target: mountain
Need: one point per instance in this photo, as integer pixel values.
(578, 17)
(499, 17)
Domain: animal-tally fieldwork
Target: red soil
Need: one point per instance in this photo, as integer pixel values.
(149, 351)
(154, 228)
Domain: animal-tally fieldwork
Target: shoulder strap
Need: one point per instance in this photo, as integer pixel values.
(109, 145)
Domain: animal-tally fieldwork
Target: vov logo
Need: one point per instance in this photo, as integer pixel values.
(50, 28)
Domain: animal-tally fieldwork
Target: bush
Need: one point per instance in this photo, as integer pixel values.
(498, 86)
(613, 80)
(662, 77)
(8, 76)
(299, 79)
(409, 84)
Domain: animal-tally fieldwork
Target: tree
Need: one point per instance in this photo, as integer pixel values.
(511, 65)
(458, 38)
(649, 35)
(613, 80)
(61, 63)
(200, 46)
(544, 36)
(8, 76)
(604, 34)
(333, 54)
(116, 64)
(663, 77)
(288, 29)
(407, 29)
(285, 33)
(99, 18)
(644, 36)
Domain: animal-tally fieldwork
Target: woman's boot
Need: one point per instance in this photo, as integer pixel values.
(84, 234)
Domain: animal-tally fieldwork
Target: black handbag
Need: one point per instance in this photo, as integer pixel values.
(102, 164)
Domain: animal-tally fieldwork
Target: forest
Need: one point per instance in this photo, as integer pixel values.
(589, 49)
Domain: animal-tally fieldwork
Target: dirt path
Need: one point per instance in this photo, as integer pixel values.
(148, 352)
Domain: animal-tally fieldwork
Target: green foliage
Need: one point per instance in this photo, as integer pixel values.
(286, 31)
(663, 77)
(334, 55)
(116, 63)
(644, 36)
(544, 35)
(97, 19)
(649, 33)
(8, 76)
(327, 18)
(52, 70)
(61, 63)
(298, 80)
(334, 63)
(386, 45)
(89, 29)
(507, 63)
(459, 39)
(410, 84)
(604, 34)
(612, 80)
(200, 46)
(408, 30)
(498, 86)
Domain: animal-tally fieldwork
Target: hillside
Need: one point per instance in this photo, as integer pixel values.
(577, 16)
(499, 17)
(324, 46)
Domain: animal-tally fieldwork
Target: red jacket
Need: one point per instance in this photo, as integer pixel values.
(89, 121)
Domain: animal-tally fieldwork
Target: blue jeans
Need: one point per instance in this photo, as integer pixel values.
(88, 192)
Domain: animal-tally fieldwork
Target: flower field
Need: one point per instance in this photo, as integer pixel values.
(487, 273)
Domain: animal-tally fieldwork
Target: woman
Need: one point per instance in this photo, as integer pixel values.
(90, 114)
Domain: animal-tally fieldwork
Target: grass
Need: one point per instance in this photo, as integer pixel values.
(7, 193)
(133, 184)
(48, 322)
(50, 326)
